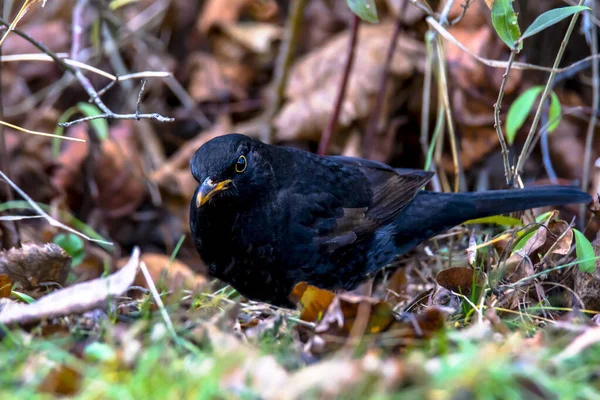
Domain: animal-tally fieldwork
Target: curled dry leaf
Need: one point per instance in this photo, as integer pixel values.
(74, 299)
(460, 279)
(314, 80)
(35, 263)
(173, 275)
(313, 301)
(117, 171)
(208, 81)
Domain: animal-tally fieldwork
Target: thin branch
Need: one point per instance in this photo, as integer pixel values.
(18, 128)
(593, 118)
(328, 133)
(498, 122)
(46, 216)
(502, 64)
(5, 164)
(283, 63)
(376, 114)
(545, 94)
(86, 84)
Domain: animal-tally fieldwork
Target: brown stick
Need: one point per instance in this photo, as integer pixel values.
(373, 121)
(328, 133)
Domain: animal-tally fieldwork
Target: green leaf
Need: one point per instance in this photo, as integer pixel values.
(505, 23)
(101, 352)
(519, 110)
(550, 18)
(543, 217)
(585, 252)
(100, 125)
(554, 112)
(523, 241)
(497, 220)
(73, 245)
(23, 297)
(365, 9)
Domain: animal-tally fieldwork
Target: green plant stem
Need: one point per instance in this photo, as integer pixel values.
(498, 123)
(587, 158)
(563, 45)
(443, 82)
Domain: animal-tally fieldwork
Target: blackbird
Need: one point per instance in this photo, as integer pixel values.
(264, 217)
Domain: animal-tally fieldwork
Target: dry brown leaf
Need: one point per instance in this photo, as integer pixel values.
(62, 380)
(117, 170)
(208, 81)
(74, 299)
(219, 11)
(338, 377)
(5, 286)
(474, 17)
(173, 275)
(256, 37)
(35, 263)
(460, 279)
(314, 80)
(314, 301)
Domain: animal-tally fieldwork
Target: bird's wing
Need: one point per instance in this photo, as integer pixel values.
(359, 197)
(392, 188)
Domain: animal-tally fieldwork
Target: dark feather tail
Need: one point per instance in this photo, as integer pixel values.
(503, 201)
(432, 213)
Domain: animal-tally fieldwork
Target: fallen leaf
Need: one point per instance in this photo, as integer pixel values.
(5, 285)
(34, 263)
(314, 301)
(460, 279)
(117, 170)
(314, 80)
(173, 275)
(74, 299)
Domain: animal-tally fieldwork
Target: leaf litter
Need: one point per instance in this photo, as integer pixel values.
(464, 314)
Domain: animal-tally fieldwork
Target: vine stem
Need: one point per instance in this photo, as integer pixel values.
(563, 45)
(328, 133)
(498, 123)
(587, 158)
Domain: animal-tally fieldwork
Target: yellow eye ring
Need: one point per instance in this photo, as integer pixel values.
(240, 165)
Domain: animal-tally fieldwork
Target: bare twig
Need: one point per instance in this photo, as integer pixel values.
(593, 41)
(5, 165)
(86, 84)
(536, 119)
(372, 126)
(502, 64)
(48, 218)
(498, 123)
(282, 66)
(328, 133)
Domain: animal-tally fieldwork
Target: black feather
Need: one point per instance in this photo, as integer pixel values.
(293, 216)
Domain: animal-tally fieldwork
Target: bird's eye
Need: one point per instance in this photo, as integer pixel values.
(240, 165)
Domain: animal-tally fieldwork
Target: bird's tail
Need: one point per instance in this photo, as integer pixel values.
(503, 201)
(432, 213)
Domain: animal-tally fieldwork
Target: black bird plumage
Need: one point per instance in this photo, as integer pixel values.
(266, 217)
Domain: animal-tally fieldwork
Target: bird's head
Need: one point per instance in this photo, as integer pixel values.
(232, 168)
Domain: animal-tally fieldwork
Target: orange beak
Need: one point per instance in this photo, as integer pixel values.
(208, 189)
